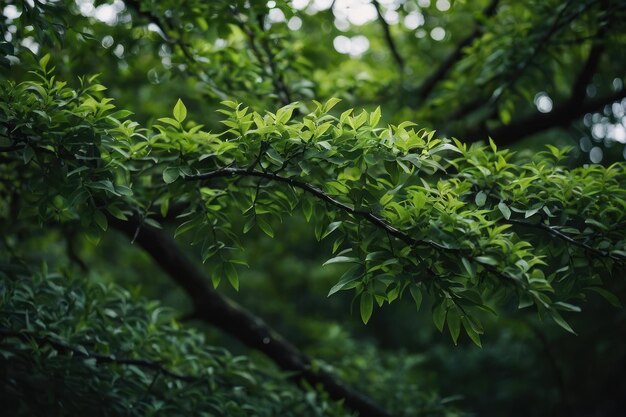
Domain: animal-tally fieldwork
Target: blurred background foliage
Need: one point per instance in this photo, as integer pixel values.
(519, 65)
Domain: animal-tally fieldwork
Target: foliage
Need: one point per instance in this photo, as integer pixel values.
(401, 223)
(244, 128)
(96, 349)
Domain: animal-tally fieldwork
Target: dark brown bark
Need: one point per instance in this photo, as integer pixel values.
(225, 314)
(442, 70)
(391, 44)
(560, 116)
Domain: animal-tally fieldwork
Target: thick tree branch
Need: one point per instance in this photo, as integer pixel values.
(391, 44)
(441, 72)
(560, 116)
(579, 88)
(217, 310)
(574, 107)
(511, 76)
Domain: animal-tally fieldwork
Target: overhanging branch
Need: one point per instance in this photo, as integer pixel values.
(560, 116)
(555, 232)
(321, 195)
(265, 58)
(368, 216)
(166, 27)
(391, 44)
(225, 314)
(429, 84)
(510, 78)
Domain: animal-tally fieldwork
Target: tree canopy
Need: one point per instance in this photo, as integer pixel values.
(312, 162)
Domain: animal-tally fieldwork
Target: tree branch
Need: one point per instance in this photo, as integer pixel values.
(552, 230)
(178, 41)
(100, 359)
(267, 61)
(225, 314)
(440, 73)
(574, 107)
(388, 38)
(511, 77)
(368, 216)
(561, 115)
(579, 88)
(320, 194)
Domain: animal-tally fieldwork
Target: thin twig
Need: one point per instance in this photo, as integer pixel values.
(265, 59)
(368, 216)
(166, 28)
(100, 359)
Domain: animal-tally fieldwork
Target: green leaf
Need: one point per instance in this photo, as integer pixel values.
(101, 220)
(608, 296)
(567, 307)
(454, 324)
(230, 104)
(43, 62)
(180, 111)
(123, 190)
(331, 228)
(471, 331)
(28, 154)
(505, 210)
(284, 114)
(556, 316)
(375, 117)
(170, 121)
(106, 185)
(232, 275)
(250, 222)
(468, 267)
(532, 212)
(265, 226)
(307, 209)
(116, 212)
(416, 293)
(120, 114)
(480, 199)
(366, 306)
(165, 205)
(77, 171)
(525, 300)
(596, 223)
(330, 104)
(215, 279)
(170, 174)
(493, 146)
(487, 260)
(341, 259)
(349, 277)
(439, 315)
